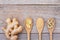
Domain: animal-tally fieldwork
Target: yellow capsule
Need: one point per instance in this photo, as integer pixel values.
(28, 25)
(28, 22)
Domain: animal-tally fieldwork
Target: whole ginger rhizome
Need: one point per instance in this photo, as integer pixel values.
(12, 29)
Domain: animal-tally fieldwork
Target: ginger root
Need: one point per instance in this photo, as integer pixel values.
(13, 29)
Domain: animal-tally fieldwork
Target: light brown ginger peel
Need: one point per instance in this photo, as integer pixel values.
(13, 29)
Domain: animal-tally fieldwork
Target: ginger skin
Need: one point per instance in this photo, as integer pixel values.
(13, 29)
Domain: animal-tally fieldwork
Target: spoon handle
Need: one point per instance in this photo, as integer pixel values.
(28, 36)
(50, 36)
(40, 37)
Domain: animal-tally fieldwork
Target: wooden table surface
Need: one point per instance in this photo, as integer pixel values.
(29, 1)
(34, 11)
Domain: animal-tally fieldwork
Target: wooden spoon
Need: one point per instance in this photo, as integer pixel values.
(51, 23)
(40, 25)
(28, 23)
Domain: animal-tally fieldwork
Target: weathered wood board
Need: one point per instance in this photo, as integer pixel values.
(34, 11)
(29, 1)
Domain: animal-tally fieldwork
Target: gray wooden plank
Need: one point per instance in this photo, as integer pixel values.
(22, 11)
(30, 1)
(33, 37)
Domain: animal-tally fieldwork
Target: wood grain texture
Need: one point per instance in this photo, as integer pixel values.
(29, 1)
(34, 11)
(33, 37)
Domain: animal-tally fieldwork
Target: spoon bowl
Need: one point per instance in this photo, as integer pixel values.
(40, 26)
(51, 25)
(28, 23)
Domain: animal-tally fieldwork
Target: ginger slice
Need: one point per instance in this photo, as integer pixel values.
(12, 29)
